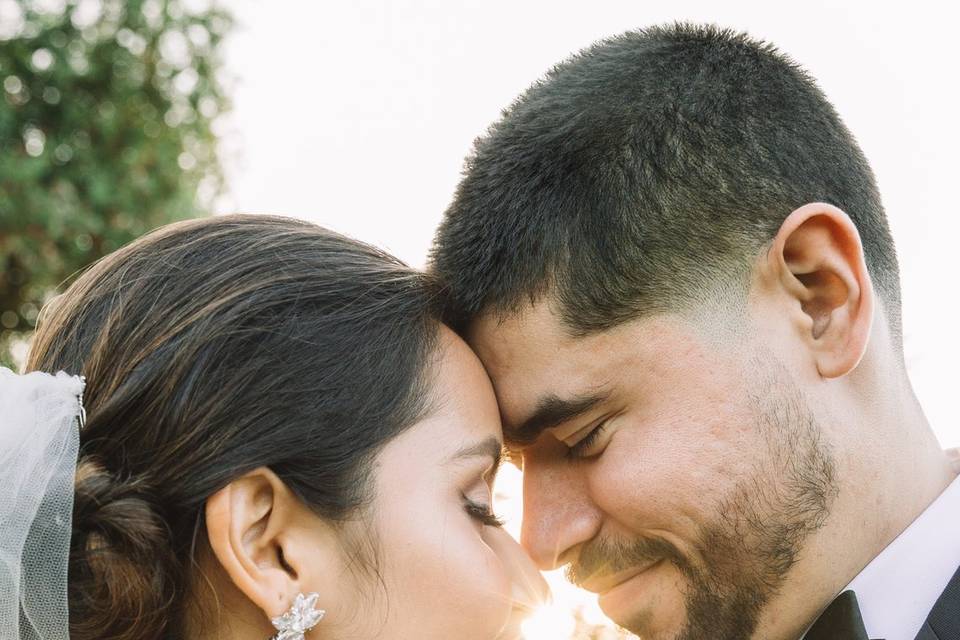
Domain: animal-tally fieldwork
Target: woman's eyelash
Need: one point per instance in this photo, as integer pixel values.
(483, 514)
(578, 450)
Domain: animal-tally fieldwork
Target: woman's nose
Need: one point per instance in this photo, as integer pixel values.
(529, 589)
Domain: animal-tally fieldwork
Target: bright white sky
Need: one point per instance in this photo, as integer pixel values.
(357, 114)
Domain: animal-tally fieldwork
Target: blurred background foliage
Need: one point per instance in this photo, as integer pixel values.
(108, 121)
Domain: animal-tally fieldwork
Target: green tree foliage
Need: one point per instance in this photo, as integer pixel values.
(107, 112)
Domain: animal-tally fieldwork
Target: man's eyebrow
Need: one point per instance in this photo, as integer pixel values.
(491, 448)
(551, 411)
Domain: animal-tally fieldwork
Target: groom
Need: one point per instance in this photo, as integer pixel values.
(672, 258)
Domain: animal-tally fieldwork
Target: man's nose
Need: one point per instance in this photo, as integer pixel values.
(558, 513)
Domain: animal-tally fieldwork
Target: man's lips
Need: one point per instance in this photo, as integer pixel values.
(602, 583)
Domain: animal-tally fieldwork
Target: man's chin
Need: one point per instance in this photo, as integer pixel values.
(649, 604)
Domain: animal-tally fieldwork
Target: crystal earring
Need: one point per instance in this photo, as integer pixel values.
(301, 617)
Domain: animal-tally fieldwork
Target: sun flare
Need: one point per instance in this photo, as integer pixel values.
(549, 622)
(557, 620)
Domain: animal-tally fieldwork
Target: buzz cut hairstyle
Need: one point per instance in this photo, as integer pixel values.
(644, 175)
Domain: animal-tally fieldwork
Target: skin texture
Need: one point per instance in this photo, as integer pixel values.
(954, 455)
(417, 563)
(751, 455)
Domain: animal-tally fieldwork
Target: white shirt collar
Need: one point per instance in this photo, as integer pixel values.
(899, 587)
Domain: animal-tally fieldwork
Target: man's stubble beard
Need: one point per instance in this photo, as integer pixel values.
(748, 550)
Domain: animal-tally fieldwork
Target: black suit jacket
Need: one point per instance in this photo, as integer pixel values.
(943, 623)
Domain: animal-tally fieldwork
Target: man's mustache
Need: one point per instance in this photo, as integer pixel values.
(601, 557)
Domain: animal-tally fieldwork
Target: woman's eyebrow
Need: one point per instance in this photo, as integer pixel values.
(490, 447)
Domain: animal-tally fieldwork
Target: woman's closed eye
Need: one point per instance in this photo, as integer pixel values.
(482, 513)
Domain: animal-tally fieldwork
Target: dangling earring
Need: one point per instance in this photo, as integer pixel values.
(301, 617)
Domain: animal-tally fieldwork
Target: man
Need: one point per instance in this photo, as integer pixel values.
(672, 257)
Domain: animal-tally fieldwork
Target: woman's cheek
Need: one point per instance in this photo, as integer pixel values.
(487, 586)
(448, 584)
(483, 592)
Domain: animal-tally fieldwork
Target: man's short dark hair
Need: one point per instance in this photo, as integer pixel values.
(647, 172)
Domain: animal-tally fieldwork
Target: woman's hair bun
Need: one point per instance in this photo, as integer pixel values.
(122, 566)
(213, 347)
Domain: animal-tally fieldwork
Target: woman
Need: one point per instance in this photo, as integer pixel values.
(272, 411)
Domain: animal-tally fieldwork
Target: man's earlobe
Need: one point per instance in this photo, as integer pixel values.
(818, 257)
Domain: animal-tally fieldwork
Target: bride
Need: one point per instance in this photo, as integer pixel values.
(279, 437)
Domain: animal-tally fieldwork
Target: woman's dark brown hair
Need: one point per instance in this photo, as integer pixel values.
(210, 348)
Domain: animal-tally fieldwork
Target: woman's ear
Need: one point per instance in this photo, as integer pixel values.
(817, 259)
(247, 523)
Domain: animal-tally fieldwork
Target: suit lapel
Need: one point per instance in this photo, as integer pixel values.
(840, 621)
(943, 623)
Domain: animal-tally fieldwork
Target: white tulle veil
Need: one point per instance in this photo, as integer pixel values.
(40, 418)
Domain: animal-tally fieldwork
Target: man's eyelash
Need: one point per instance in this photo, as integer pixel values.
(577, 451)
(483, 514)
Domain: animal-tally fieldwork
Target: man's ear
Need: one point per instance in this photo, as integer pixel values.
(817, 258)
(246, 524)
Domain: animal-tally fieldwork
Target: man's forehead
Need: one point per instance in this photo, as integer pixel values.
(530, 357)
(520, 353)
(525, 336)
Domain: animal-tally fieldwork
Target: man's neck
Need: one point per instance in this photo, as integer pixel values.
(882, 489)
